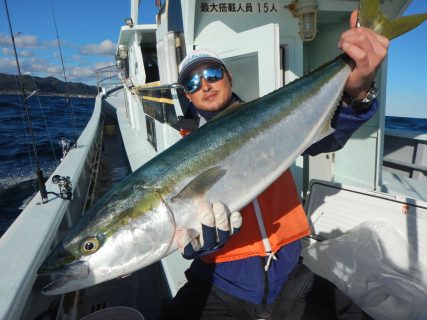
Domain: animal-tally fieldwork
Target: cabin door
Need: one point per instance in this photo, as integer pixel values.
(252, 57)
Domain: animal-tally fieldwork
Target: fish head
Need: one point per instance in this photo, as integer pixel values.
(109, 242)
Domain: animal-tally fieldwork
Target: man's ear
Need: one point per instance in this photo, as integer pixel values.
(188, 96)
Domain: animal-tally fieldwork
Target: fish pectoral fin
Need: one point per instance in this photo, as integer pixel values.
(201, 184)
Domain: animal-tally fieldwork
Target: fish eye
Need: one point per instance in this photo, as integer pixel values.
(90, 245)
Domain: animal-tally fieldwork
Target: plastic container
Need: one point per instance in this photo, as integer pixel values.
(115, 313)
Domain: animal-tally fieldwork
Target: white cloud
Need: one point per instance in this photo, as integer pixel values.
(105, 48)
(103, 64)
(27, 41)
(47, 63)
(44, 67)
(21, 53)
(81, 72)
(5, 40)
(22, 41)
(8, 65)
(7, 51)
(76, 57)
(26, 53)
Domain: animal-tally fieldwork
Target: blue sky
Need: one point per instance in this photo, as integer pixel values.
(89, 29)
(407, 70)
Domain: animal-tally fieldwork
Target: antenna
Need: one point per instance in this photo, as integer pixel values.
(39, 173)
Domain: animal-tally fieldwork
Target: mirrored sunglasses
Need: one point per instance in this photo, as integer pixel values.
(193, 82)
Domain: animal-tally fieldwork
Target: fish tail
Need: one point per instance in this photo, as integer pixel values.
(371, 16)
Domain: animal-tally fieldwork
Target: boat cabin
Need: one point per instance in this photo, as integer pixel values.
(265, 45)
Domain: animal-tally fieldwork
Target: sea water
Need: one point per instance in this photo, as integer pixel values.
(52, 118)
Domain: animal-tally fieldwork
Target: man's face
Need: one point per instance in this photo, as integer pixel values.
(212, 96)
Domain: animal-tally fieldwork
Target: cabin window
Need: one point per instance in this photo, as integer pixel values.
(153, 105)
(151, 132)
(149, 56)
(169, 112)
(159, 105)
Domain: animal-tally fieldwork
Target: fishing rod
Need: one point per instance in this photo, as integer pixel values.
(39, 172)
(44, 116)
(67, 90)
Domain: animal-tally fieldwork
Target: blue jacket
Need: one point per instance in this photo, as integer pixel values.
(246, 278)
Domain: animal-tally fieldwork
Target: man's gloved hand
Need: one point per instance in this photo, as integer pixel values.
(216, 229)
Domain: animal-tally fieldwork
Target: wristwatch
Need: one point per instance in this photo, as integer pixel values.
(361, 104)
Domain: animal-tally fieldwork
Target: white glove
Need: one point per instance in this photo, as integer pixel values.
(217, 227)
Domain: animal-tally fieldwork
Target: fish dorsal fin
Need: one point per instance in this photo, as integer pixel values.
(228, 110)
(371, 16)
(201, 184)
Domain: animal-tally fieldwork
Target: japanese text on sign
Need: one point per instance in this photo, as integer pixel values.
(240, 7)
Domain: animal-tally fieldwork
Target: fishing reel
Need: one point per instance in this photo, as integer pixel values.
(65, 186)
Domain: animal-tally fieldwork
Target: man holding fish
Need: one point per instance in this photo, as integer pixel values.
(251, 271)
(246, 270)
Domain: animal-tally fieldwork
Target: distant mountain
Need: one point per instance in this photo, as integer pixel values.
(46, 86)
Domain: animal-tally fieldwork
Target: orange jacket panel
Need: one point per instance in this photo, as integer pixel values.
(284, 220)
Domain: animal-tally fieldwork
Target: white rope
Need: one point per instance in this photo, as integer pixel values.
(271, 256)
(267, 245)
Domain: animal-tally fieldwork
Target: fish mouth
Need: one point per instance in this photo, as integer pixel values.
(66, 278)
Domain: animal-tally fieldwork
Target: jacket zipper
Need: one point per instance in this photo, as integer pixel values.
(265, 261)
(266, 283)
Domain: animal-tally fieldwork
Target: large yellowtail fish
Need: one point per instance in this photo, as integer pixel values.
(231, 159)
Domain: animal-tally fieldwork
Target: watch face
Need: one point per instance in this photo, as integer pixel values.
(362, 104)
(366, 103)
(372, 94)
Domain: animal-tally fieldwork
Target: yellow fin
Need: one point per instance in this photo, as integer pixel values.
(327, 129)
(371, 16)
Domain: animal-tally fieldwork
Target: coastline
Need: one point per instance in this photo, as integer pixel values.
(50, 94)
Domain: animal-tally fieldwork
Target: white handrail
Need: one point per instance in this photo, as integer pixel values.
(28, 240)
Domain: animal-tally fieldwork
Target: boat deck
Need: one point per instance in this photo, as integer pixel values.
(405, 163)
(143, 289)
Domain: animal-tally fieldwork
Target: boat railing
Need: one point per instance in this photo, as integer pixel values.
(404, 152)
(420, 136)
(164, 103)
(39, 226)
(160, 87)
(108, 78)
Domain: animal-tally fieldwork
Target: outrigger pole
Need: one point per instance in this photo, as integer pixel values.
(39, 172)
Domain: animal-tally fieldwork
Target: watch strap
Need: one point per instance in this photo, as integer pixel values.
(361, 104)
